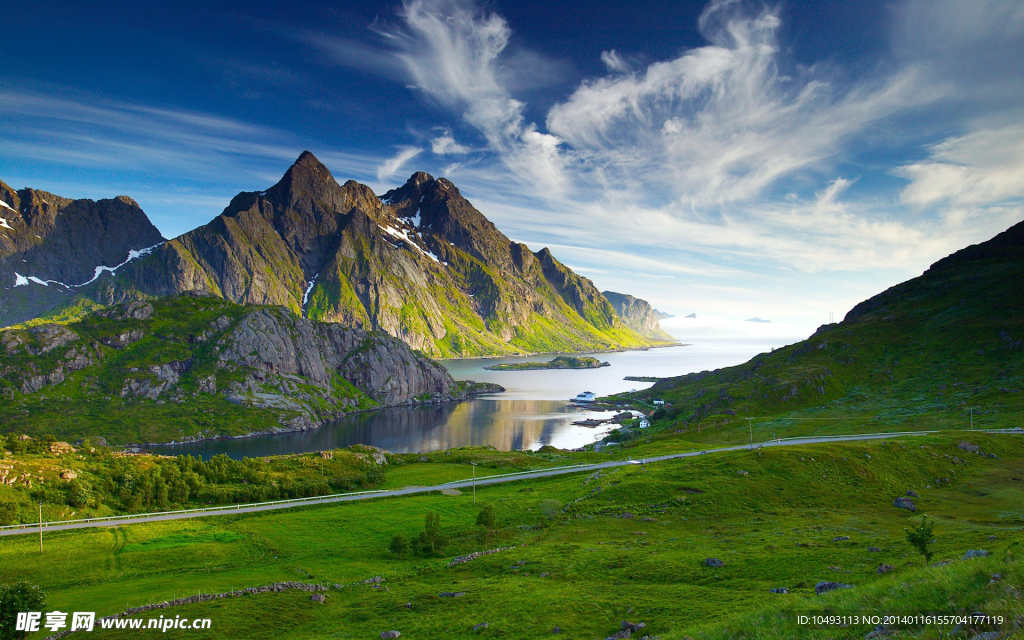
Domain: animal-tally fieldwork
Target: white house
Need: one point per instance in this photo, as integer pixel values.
(644, 423)
(586, 396)
(659, 402)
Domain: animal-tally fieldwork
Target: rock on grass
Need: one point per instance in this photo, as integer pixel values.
(905, 503)
(826, 586)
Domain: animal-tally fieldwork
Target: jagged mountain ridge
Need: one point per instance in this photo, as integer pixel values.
(51, 246)
(638, 315)
(420, 263)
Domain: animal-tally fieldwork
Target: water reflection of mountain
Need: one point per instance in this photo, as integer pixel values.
(502, 424)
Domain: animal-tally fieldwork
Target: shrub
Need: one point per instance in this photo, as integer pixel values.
(399, 545)
(921, 537)
(20, 596)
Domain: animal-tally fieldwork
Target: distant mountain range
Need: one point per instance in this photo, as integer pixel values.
(420, 263)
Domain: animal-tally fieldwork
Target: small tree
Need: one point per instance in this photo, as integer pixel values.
(20, 596)
(485, 518)
(431, 539)
(399, 545)
(921, 537)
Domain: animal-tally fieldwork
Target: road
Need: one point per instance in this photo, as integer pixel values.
(461, 484)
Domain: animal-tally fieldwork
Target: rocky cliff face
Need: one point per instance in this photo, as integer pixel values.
(638, 315)
(200, 353)
(50, 246)
(421, 264)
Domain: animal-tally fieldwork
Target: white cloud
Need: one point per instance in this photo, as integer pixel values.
(615, 62)
(445, 145)
(720, 123)
(981, 168)
(451, 50)
(391, 166)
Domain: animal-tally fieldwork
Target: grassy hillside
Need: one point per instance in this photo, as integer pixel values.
(591, 550)
(925, 354)
(94, 481)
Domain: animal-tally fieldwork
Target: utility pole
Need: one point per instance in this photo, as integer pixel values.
(750, 423)
(474, 481)
(40, 526)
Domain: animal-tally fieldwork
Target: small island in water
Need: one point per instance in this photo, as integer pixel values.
(560, 362)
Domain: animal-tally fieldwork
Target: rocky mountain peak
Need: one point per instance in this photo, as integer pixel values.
(307, 185)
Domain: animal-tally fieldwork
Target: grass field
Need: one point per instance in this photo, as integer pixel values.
(591, 550)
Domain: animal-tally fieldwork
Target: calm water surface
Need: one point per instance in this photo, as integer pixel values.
(533, 412)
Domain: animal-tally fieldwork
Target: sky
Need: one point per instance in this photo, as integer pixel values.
(727, 158)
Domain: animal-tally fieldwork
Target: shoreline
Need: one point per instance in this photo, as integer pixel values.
(283, 430)
(663, 345)
(276, 431)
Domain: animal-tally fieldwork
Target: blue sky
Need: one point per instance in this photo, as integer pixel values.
(729, 158)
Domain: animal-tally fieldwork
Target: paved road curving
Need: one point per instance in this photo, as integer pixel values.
(464, 484)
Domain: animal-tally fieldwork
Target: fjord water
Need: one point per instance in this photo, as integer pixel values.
(533, 412)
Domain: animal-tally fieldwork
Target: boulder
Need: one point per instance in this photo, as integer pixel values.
(825, 586)
(905, 503)
(318, 597)
(885, 568)
(840, 538)
(975, 553)
(389, 635)
(480, 627)
(779, 590)
(632, 626)
(876, 549)
(912, 493)
(968, 447)
(713, 562)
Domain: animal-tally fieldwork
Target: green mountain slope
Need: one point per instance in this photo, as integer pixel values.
(196, 366)
(927, 353)
(421, 264)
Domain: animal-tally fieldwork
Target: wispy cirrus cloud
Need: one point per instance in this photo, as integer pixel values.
(182, 166)
(450, 50)
(392, 165)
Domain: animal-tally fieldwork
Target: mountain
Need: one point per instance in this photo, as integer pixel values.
(661, 315)
(924, 354)
(195, 366)
(421, 264)
(755, 319)
(638, 315)
(51, 246)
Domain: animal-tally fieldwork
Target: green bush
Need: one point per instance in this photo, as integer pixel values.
(20, 596)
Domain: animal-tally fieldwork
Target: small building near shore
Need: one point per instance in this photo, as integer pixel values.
(586, 397)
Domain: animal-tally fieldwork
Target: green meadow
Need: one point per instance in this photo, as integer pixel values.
(590, 550)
